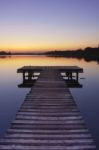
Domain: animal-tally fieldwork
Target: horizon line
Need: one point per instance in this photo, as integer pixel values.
(42, 51)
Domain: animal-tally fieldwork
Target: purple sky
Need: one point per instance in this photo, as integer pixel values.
(48, 24)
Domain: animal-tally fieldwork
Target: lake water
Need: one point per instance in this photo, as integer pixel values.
(11, 97)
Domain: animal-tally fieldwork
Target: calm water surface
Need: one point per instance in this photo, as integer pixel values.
(11, 97)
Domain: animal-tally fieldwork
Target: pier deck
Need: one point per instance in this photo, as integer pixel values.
(48, 119)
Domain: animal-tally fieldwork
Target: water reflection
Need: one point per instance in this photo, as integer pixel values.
(11, 97)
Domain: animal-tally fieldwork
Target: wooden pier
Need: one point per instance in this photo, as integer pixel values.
(48, 118)
(71, 74)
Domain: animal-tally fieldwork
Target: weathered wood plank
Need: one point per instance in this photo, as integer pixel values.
(43, 132)
(40, 147)
(47, 142)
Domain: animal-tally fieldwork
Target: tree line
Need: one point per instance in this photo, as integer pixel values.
(88, 53)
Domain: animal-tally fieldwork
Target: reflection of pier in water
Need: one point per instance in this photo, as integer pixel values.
(49, 118)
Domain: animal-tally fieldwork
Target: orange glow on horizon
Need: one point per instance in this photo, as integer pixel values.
(38, 46)
(42, 48)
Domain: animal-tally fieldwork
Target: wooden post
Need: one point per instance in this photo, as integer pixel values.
(71, 75)
(67, 75)
(23, 76)
(30, 74)
(77, 76)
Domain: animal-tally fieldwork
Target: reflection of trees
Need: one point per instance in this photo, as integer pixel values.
(5, 53)
(2, 57)
(88, 54)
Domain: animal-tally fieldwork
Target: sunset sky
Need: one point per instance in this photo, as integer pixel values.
(37, 25)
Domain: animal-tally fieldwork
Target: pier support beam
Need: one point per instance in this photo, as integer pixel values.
(30, 75)
(77, 76)
(69, 75)
(23, 76)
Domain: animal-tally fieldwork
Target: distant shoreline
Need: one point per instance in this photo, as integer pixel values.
(89, 54)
